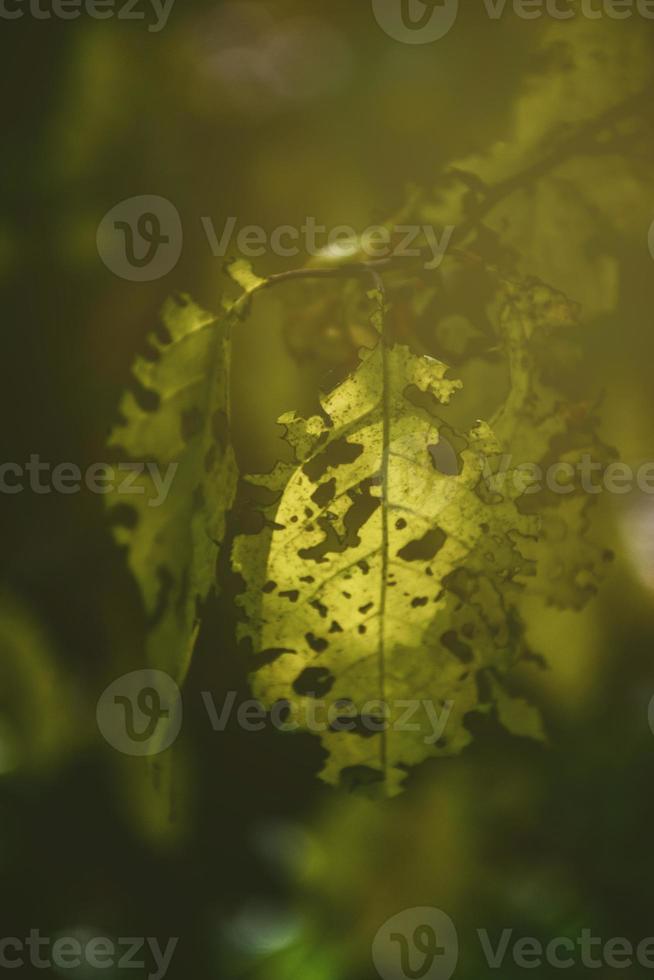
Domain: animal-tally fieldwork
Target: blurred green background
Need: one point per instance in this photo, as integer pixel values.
(274, 874)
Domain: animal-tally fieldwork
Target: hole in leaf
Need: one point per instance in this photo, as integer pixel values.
(324, 493)
(265, 657)
(425, 548)
(337, 453)
(355, 777)
(317, 643)
(444, 458)
(314, 682)
(451, 642)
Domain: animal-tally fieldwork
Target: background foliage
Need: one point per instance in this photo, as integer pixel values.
(269, 870)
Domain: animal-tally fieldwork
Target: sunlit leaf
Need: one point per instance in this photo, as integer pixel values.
(174, 542)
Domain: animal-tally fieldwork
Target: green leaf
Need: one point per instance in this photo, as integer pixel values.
(379, 576)
(562, 191)
(539, 426)
(173, 543)
(173, 546)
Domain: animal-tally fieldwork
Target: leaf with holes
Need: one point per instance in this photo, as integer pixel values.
(554, 438)
(378, 585)
(184, 493)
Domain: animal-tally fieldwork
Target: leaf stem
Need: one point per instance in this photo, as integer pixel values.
(384, 340)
